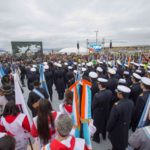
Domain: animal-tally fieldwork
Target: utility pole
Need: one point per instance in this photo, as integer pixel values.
(96, 36)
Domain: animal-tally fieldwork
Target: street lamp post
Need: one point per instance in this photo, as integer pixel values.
(96, 36)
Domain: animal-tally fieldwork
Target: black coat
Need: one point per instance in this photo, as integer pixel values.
(118, 123)
(33, 98)
(139, 107)
(135, 91)
(49, 79)
(60, 80)
(101, 107)
(94, 88)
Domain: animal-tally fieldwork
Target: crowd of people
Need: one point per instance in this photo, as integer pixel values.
(119, 93)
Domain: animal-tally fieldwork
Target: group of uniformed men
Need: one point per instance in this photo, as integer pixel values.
(119, 93)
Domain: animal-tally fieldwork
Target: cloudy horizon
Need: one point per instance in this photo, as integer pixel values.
(61, 23)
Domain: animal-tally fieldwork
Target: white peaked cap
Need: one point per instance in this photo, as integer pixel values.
(118, 62)
(111, 71)
(70, 67)
(102, 80)
(75, 63)
(136, 64)
(110, 63)
(32, 69)
(145, 81)
(79, 65)
(34, 66)
(45, 63)
(132, 62)
(84, 69)
(93, 74)
(138, 71)
(75, 71)
(148, 67)
(126, 65)
(83, 64)
(142, 65)
(46, 67)
(124, 89)
(89, 64)
(99, 69)
(148, 71)
(59, 65)
(135, 75)
(66, 64)
(123, 81)
(126, 72)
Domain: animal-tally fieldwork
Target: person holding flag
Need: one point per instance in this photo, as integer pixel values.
(34, 96)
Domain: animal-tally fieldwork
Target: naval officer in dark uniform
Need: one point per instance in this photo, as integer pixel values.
(141, 101)
(120, 119)
(101, 106)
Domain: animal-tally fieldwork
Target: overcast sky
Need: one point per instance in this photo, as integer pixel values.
(61, 23)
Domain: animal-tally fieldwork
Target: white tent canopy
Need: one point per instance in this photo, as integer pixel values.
(70, 50)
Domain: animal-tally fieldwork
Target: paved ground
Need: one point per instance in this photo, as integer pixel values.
(104, 145)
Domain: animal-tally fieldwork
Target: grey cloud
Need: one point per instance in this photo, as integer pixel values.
(61, 23)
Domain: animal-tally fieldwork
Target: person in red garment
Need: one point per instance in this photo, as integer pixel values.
(66, 106)
(15, 124)
(43, 127)
(64, 141)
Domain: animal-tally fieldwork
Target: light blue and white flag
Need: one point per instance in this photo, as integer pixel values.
(144, 114)
(42, 78)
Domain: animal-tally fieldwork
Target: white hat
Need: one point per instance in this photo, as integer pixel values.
(132, 62)
(126, 72)
(142, 65)
(84, 69)
(45, 63)
(46, 67)
(119, 62)
(138, 71)
(55, 63)
(135, 75)
(114, 68)
(75, 71)
(99, 69)
(70, 67)
(102, 80)
(34, 66)
(122, 81)
(83, 63)
(124, 89)
(79, 65)
(32, 69)
(111, 71)
(59, 65)
(89, 64)
(75, 63)
(148, 71)
(136, 64)
(93, 74)
(66, 64)
(126, 65)
(145, 81)
(148, 67)
(109, 63)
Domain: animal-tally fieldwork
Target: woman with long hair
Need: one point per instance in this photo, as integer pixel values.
(44, 123)
(15, 124)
